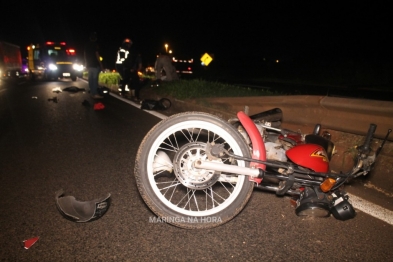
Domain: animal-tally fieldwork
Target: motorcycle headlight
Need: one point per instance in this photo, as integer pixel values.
(77, 67)
(52, 67)
(313, 203)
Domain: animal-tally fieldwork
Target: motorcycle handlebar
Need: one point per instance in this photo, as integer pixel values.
(366, 146)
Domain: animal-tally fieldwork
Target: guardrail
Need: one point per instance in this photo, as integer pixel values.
(341, 114)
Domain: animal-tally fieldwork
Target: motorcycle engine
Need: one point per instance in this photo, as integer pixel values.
(275, 151)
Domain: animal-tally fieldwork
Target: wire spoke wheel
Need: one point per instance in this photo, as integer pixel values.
(174, 189)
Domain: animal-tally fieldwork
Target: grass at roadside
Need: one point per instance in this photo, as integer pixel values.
(109, 79)
(197, 88)
(186, 89)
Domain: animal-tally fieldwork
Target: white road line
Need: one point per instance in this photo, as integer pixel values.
(132, 103)
(138, 106)
(371, 209)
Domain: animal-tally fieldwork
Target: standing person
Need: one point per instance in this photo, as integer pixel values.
(128, 63)
(164, 62)
(93, 65)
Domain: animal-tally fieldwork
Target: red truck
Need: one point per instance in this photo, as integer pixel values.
(10, 60)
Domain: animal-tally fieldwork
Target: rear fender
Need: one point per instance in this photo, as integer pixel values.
(258, 147)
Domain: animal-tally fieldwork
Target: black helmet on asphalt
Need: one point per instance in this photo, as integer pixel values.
(81, 211)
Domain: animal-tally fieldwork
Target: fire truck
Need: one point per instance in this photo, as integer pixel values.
(52, 60)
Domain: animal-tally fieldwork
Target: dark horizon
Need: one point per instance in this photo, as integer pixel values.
(238, 35)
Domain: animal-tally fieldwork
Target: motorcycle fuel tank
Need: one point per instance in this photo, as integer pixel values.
(310, 156)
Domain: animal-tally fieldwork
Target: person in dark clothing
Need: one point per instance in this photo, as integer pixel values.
(93, 65)
(128, 63)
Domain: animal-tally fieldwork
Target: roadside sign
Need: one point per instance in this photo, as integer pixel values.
(206, 59)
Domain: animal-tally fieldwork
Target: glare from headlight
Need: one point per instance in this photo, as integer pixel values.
(77, 67)
(52, 67)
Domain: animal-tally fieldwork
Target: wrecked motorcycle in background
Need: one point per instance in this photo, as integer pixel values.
(196, 170)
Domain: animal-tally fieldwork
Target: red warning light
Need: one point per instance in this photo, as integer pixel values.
(70, 51)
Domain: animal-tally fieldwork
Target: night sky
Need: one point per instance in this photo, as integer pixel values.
(236, 32)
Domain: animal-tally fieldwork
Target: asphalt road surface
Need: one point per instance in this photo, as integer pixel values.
(47, 144)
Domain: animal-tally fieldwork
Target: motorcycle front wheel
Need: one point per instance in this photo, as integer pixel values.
(176, 191)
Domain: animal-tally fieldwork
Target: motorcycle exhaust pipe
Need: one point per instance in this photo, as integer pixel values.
(248, 171)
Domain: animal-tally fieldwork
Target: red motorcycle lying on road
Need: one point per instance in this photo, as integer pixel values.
(195, 170)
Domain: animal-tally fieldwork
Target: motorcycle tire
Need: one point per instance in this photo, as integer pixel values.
(176, 191)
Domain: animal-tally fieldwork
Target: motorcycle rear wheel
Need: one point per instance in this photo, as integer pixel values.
(176, 191)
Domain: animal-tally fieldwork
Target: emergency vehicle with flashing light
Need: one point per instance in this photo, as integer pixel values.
(53, 60)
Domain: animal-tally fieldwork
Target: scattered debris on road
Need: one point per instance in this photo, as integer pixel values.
(99, 106)
(54, 99)
(73, 89)
(29, 242)
(57, 90)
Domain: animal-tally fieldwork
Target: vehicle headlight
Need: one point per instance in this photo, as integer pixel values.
(77, 67)
(52, 67)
